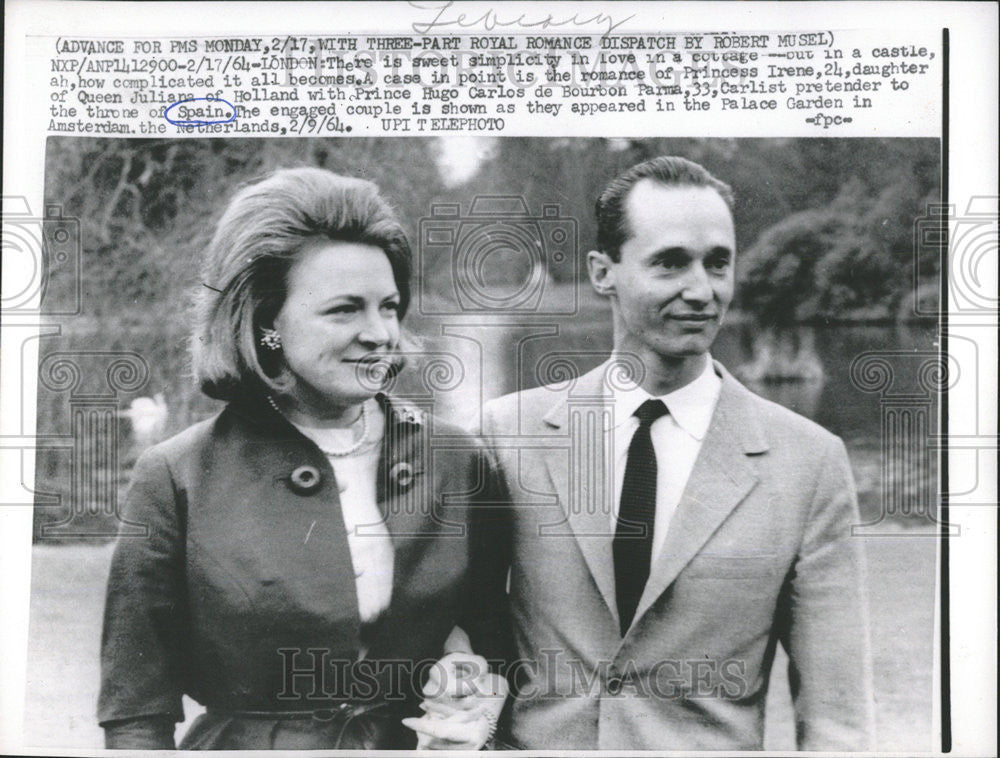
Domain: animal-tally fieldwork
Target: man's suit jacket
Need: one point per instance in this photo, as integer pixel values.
(758, 551)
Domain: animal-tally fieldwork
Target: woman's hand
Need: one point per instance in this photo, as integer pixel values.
(462, 702)
(455, 678)
(445, 728)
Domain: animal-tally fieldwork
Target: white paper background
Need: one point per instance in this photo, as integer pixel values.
(972, 161)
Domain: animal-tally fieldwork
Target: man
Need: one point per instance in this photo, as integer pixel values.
(669, 528)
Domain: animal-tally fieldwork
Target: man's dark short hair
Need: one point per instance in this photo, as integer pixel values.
(669, 170)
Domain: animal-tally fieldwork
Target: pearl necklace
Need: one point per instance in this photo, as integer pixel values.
(355, 447)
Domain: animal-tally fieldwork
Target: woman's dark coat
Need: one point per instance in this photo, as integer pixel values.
(242, 595)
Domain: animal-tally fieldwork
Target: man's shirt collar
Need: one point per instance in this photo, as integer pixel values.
(691, 406)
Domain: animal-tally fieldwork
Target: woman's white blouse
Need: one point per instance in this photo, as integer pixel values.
(367, 535)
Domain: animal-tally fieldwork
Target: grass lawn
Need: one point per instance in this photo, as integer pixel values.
(68, 596)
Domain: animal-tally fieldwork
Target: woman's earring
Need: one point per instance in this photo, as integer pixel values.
(270, 339)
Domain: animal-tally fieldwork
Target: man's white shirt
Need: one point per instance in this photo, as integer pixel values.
(676, 437)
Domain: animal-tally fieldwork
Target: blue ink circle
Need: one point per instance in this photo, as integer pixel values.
(196, 122)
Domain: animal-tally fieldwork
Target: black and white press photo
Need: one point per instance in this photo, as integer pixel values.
(524, 377)
(278, 318)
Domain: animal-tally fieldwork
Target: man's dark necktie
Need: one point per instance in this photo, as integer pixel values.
(633, 543)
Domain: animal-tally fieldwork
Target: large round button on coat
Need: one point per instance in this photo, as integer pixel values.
(401, 474)
(305, 480)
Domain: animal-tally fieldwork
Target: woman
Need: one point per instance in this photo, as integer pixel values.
(303, 566)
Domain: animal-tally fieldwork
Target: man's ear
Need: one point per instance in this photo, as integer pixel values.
(600, 267)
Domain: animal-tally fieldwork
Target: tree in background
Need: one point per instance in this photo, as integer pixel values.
(851, 260)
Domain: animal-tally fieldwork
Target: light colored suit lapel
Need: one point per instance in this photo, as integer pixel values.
(721, 478)
(583, 478)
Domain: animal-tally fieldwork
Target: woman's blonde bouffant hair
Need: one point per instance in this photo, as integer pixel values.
(259, 236)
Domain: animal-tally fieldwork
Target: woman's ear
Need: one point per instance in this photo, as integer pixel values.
(601, 269)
